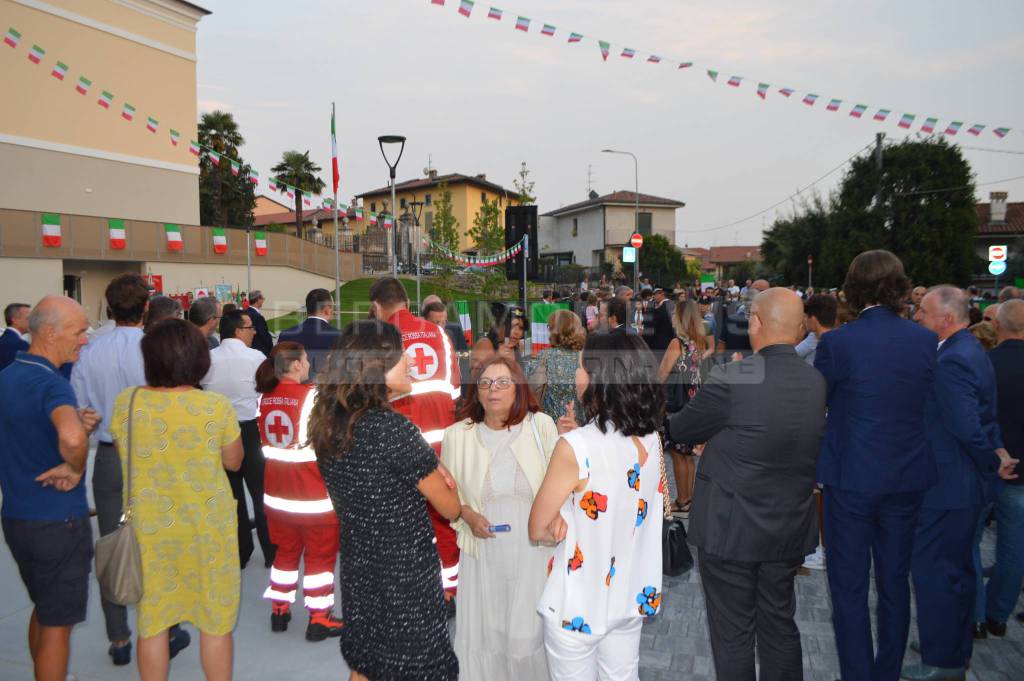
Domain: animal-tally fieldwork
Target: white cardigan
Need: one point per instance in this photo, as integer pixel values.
(465, 455)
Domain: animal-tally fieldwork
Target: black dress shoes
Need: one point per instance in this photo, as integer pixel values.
(997, 629)
(980, 631)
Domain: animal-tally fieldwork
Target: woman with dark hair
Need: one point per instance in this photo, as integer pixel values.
(497, 452)
(378, 471)
(173, 456)
(300, 516)
(602, 499)
(503, 338)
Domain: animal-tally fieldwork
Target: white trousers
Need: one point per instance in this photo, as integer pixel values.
(573, 656)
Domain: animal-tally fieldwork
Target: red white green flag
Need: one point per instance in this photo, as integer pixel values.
(762, 90)
(152, 123)
(260, 241)
(335, 172)
(575, 37)
(881, 115)
(522, 24)
(254, 177)
(953, 128)
(220, 241)
(466, 7)
(628, 53)
(307, 199)
(686, 64)
(173, 234)
(118, 237)
(605, 46)
(810, 99)
(175, 137)
(12, 37)
(547, 30)
(494, 13)
(60, 69)
(213, 156)
(51, 230)
(236, 168)
(975, 129)
(1001, 132)
(929, 125)
(272, 185)
(35, 55)
(289, 191)
(388, 222)
(833, 105)
(105, 99)
(786, 92)
(437, 2)
(735, 81)
(906, 120)
(858, 110)
(194, 148)
(128, 112)
(359, 213)
(373, 218)
(654, 59)
(83, 85)
(713, 75)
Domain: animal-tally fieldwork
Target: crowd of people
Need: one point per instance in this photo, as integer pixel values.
(524, 493)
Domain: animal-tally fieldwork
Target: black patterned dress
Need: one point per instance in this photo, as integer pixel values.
(392, 603)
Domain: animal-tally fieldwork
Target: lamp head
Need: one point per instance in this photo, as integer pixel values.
(391, 139)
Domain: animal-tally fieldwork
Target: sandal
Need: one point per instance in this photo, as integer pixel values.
(683, 509)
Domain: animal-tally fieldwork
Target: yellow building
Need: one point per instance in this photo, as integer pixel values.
(468, 194)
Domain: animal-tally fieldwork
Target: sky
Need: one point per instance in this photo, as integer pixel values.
(477, 96)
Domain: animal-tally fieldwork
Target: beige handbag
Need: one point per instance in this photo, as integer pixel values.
(539, 378)
(118, 558)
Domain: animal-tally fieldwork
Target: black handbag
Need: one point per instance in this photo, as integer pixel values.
(676, 558)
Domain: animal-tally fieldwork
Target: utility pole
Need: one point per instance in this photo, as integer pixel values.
(879, 137)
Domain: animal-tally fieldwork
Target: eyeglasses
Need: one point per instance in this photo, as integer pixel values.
(248, 328)
(497, 383)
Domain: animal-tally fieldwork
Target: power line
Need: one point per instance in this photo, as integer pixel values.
(957, 189)
(994, 151)
(788, 198)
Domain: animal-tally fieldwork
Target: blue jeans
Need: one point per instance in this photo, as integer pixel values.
(1004, 586)
(979, 593)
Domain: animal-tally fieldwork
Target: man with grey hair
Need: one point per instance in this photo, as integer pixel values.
(161, 307)
(12, 340)
(624, 292)
(263, 341)
(963, 434)
(1008, 362)
(1009, 293)
(205, 313)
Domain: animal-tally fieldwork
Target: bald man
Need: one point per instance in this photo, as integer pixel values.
(753, 517)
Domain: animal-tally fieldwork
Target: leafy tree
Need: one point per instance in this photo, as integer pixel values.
(693, 270)
(224, 199)
(446, 234)
(296, 169)
(524, 186)
(788, 242)
(487, 232)
(661, 261)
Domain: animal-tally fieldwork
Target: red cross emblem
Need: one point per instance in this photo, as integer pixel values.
(278, 428)
(422, 361)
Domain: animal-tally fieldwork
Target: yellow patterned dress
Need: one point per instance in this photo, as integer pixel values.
(183, 511)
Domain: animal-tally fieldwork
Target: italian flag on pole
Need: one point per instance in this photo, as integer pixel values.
(220, 241)
(260, 240)
(51, 230)
(539, 313)
(335, 172)
(462, 307)
(118, 238)
(173, 234)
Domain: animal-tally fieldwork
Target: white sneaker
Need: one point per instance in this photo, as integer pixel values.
(816, 560)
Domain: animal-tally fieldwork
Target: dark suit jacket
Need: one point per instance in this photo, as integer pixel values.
(763, 417)
(10, 344)
(963, 429)
(317, 336)
(1008, 363)
(262, 341)
(880, 370)
(660, 332)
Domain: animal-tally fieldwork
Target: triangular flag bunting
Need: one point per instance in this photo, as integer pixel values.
(713, 75)
(605, 46)
(762, 90)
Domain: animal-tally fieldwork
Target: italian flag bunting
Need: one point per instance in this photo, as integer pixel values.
(260, 240)
(786, 92)
(236, 168)
(272, 185)
(548, 30)
(60, 69)
(494, 13)
(35, 55)
(51, 230)
(175, 137)
(522, 24)
(152, 124)
(975, 129)
(1001, 132)
(388, 222)
(953, 128)
(575, 37)
(735, 81)
(762, 90)
(833, 105)
(858, 110)
(213, 156)
(685, 64)
(810, 99)
(373, 218)
(12, 38)
(628, 53)
(254, 177)
(83, 85)
(335, 172)
(906, 120)
(605, 46)
(220, 241)
(929, 125)
(173, 234)
(193, 147)
(105, 99)
(118, 238)
(881, 115)
(713, 75)
(128, 112)
(307, 199)
(466, 7)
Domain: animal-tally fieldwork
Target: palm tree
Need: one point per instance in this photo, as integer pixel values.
(297, 170)
(219, 131)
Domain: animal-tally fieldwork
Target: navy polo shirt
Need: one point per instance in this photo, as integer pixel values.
(31, 389)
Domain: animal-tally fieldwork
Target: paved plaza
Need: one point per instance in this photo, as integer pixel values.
(674, 646)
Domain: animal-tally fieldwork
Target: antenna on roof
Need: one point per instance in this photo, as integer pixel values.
(590, 180)
(430, 165)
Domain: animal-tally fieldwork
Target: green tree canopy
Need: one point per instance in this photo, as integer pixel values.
(662, 262)
(487, 232)
(445, 231)
(524, 186)
(225, 199)
(296, 169)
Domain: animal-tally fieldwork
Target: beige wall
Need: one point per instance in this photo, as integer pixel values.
(142, 51)
(94, 276)
(620, 222)
(26, 280)
(267, 206)
(285, 288)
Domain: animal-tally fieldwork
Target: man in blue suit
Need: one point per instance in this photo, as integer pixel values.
(316, 333)
(963, 432)
(875, 464)
(11, 341)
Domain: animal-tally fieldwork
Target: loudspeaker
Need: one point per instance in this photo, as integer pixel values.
(521, 220)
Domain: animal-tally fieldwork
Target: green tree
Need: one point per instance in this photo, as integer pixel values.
(224, 198)
(524, 186)
(445, 233)
(661, 261)
(296, 169)
(487, 232)
(788, 242)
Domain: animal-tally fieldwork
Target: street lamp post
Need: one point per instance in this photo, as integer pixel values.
(636, 213)
(400, 140)
(417, 211)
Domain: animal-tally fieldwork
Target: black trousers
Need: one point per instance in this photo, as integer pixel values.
(250, 476)
(750, 603)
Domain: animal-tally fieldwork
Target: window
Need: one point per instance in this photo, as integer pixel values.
(430, 224)
(644, 220)
(373, 206)
(483, 197)
(428, 201)
(575, 226)
(401, 203)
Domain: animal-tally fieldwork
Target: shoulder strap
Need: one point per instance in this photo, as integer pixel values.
(128, 450)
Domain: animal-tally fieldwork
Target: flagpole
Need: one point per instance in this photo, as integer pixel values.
(337, 256)
(248, 262)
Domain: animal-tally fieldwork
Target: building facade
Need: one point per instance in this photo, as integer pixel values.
(593, 232)
(1000, 223)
